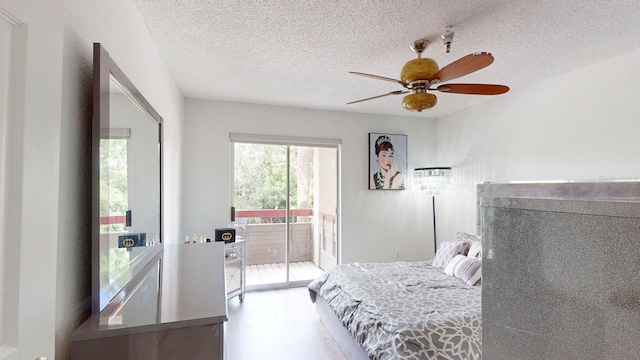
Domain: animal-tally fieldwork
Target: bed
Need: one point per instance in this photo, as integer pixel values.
(401, 310)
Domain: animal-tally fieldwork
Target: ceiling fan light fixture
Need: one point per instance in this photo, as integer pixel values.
(423, 74)
(418, 69)
(419, 101)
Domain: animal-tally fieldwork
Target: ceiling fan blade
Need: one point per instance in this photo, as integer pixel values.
(379, 78)
(463, 66)
(475, 89)
(397, 92)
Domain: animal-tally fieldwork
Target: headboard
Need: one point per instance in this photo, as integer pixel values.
(560, 270)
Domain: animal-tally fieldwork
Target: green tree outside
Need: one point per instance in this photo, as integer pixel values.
(113, 181)
(260, 178)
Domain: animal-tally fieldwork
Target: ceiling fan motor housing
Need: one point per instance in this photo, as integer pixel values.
(417, 72)
(418, 69)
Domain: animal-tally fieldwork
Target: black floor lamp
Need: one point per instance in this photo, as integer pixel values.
(433, 180)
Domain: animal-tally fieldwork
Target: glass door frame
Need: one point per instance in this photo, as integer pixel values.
(290, 141)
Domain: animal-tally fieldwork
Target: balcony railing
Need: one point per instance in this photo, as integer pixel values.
(114, 219)
(266, 239)
(272, 213)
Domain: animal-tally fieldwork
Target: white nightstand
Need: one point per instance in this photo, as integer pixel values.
(234, 267)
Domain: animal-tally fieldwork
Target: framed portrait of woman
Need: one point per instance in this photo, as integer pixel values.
(387, 161)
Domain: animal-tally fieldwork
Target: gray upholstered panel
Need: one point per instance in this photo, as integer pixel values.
(561, 277)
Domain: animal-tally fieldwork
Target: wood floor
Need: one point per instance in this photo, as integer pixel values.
(278, 324)
(276, 273)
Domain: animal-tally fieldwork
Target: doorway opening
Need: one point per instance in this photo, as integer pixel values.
(286, 209)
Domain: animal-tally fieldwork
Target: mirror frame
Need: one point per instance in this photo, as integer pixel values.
(104, 68)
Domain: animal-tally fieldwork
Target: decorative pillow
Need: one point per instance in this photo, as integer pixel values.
(451, 267)
(465, 268)
(447, 251)
(475, 250)
(462, 236)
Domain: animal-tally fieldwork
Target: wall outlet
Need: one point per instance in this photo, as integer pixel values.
(397, 253)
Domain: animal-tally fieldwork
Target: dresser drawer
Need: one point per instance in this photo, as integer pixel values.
(233, 245)
(234, 276)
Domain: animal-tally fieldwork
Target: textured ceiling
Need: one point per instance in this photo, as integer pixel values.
(298, 53)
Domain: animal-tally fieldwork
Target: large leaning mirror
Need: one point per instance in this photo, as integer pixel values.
(126, 184)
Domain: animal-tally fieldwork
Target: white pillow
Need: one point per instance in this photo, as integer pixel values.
(451, 267)
(447, 251)
(475, 277)
(465, 268)
(475, 250)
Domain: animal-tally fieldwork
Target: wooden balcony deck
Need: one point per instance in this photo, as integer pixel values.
(276, 273)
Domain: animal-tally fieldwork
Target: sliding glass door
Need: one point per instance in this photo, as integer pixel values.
(286, 198)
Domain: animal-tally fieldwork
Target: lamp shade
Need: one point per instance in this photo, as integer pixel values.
(432, 179)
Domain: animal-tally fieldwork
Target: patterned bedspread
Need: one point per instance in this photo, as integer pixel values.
(404, 310)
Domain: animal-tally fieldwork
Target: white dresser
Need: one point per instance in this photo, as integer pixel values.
(183, 318)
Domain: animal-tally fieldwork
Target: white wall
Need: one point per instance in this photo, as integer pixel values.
(374, 223)
(118, 25)
(580, 126)
(33, 170)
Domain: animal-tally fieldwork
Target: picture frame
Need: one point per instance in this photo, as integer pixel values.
(387, 153)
